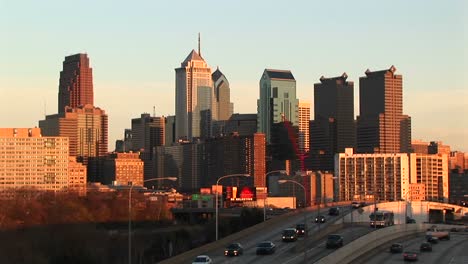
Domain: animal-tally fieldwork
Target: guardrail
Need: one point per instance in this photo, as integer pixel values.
(367, 243)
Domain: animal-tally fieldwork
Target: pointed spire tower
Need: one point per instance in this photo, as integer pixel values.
(195, 103)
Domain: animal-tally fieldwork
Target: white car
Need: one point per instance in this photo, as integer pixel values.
(202, 259)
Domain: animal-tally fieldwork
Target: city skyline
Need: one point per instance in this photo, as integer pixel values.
(127, 63)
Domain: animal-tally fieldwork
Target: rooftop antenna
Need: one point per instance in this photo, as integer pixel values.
(154, 111)
(45, 104)
(199, 50)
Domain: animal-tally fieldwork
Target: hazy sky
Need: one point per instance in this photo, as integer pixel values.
(134, 47)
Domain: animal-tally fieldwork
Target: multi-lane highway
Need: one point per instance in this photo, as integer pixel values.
(290, 252)
(453, 251)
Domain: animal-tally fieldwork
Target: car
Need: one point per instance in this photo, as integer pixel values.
(289, 234)
(334, 241)
(426, 246)
(300, 229)
(320, 219)
(410, 220)
(432, 239)
(234, 249)
(265, 247)
(334, 211)
(396, 248)
(410, 256)
(202, 259)
(363, 204)
(355, 205)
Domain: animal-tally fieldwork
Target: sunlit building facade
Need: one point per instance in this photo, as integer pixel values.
(29, 160)
(76, 82)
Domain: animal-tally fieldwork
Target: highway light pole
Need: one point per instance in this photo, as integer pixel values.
(305, 214)
(216, 205)
(266, 195)
(130, 213)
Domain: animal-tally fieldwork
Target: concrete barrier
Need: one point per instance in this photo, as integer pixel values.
(367, 243)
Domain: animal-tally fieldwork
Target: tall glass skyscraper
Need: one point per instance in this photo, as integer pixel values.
(195, 104)
(223, 95)
(277, 100)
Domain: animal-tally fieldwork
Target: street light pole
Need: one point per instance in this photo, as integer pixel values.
(216, 205)
(305, 214)
(266, 195)
(130, 213)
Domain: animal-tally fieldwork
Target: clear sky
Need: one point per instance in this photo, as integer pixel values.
(134, 47)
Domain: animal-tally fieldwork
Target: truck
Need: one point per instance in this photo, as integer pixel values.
(435, 232)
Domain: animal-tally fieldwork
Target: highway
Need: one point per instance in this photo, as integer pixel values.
(453, 251)
(290, 252)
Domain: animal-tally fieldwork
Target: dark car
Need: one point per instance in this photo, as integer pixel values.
(300, 229)
(410, 256)
(334, 211)
(289, 234)
(410, 220)
(266, 247)
(426, 246)
(320, 219)
(334, 241)
(396, 248)
(234, 249)
(432, 239)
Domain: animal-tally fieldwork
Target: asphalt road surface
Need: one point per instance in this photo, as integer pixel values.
(289, 252)
(453, 251)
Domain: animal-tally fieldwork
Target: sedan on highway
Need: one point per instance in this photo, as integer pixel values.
(234, 249)
(289, 234)
(300, 229)
(334, 241)
(410, 256)
(334, 211)
(266, 247)
(202, 259)
(320, 219)
(426, 246)
(396, 248)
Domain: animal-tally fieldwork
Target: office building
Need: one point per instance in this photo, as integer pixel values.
(77, 176)
(170, 130)
(123, 169)
(458, 181)
(381, 125)
(437, 147)
(432, 171)
(278, 101)
(223, 95)
(85, 126)
(419, 146)
(333, 127)
(304, 126)
(76, 82)
(379, 176)
(32, 161)
(195, 99)
(147, 132)
(200, 164)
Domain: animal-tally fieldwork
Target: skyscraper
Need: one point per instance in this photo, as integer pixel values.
(86, 127)
(223, 95)
(277, 100)
(333, 128)
(381, 125)
(76, 82)
(195, 103)
(304, 126)
(147, 132)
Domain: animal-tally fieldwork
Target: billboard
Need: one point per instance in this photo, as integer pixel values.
(245, 193)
